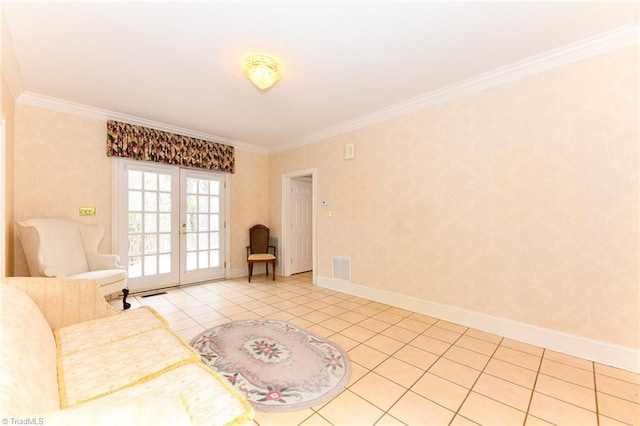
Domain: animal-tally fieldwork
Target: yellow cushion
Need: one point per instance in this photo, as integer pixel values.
(210, 398)
(27, 357)
(100, 370)
(159, 411)
(261, 256)
(101, 331)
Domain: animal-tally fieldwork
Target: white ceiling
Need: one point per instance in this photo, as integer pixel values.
(179, 63)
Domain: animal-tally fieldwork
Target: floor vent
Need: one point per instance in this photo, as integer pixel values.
(342, 268)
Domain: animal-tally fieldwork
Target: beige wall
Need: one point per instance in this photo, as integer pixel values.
(61, 165)
(8, 112)
(249, 203)
(520, 201)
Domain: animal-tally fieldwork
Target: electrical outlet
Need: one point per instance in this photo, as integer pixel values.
(87, 211)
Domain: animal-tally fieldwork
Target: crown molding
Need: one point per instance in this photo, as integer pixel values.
(593, 46)
(60, 105)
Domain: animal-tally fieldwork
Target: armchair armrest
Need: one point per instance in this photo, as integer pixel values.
(98, 261)
(64, 301)
(274, 249)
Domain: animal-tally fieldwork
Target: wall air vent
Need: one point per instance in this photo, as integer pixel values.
(342, 268)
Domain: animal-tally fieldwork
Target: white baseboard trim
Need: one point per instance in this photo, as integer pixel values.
(623, 357)
(237, 273)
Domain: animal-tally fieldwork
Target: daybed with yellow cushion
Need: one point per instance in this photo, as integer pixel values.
(67, 357)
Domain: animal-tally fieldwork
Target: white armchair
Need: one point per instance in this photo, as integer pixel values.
(66, 248)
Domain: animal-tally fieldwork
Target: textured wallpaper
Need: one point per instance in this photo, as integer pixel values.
(249, 202)
(8, 112)
(60, 166)
(519, 201)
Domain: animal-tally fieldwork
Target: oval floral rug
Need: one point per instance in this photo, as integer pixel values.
(275, 365)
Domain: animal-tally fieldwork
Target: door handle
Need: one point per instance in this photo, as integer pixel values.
(184, 229)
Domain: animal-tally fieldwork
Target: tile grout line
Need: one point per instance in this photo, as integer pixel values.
(535, 382)
(408, 389)
(277, 293)
(595, 393)
(457, 413)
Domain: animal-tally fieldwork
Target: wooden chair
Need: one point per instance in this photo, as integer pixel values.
(259, 249)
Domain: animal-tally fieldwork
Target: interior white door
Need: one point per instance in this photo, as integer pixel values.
(301, 228)
(202, 226)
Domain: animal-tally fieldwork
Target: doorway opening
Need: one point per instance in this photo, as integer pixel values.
(299, 223)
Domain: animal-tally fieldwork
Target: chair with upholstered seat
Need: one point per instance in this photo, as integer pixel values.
(67, 248)
(259, 250)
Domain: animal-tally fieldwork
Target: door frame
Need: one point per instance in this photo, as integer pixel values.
(286, 214)
(3, 201)
(118, 169)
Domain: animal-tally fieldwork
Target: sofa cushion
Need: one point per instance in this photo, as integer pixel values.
(160, 411)
(103, 276)
(210, 398)
(85, 335)
(261, 256)
(99, 370)
(27, 357)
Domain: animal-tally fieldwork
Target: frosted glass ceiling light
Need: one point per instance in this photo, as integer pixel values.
(263, 71)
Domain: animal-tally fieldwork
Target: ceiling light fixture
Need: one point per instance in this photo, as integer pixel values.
(263, 71)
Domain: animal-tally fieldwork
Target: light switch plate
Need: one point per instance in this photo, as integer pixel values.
(87, 211)
(349, 151)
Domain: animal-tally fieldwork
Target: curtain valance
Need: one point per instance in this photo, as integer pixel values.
(145, 144)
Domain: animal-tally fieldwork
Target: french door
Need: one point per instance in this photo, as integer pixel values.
(202, 226)
(170, 225)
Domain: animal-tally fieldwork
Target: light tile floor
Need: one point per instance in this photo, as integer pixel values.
(412, 369)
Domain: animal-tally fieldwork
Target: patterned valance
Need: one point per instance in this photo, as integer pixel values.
(145, 144)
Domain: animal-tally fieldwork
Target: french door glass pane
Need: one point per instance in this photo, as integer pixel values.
(215, 258)
(135, 179)
(149, 223)
(135, 201)
(203, 223)
(165, 263)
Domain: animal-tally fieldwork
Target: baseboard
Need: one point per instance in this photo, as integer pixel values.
(599, 351)
(237, 273)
